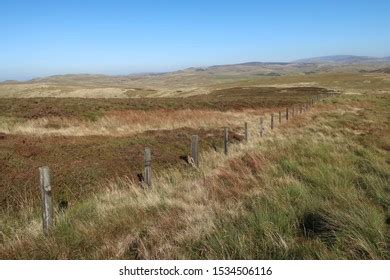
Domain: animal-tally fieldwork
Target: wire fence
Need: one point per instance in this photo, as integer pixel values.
(275, 118)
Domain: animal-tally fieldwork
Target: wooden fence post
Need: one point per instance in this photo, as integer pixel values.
(225, 140)
(280, 117)
(148, 167)
(293, 111)
(261, 126)
(246, 132)
(47, 205)
(287, 114)
(272, 120)
(195, 149)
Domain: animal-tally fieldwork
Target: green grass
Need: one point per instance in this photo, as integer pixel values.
(313, 209)
(324, 200)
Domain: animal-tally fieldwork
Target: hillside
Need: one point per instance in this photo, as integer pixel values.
(195, 80)
(344, 59)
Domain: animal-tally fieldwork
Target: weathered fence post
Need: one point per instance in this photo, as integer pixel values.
(148, 167)
(272, 120)
(47, 205)
(280, 117)
(287, 114)
(195, 149)
(246, 132)
(225, 140)
(261, 126)
(293, 112)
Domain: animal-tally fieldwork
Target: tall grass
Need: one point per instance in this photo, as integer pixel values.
(317, 188)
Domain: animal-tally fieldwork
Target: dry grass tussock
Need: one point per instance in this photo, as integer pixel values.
(129, 122)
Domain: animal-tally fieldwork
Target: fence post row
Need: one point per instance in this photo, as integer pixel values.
(195, 149)
(225, 140)
(44, 172)
(47, 203)
(148, 167)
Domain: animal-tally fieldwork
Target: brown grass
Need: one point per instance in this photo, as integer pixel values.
(121, 123)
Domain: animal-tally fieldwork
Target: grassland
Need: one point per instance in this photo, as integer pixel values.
(317, 187)
(83, 151)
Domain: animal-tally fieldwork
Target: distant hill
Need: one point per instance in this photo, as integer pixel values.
(332, 59)
(252, 63)
(228, 71)
(343, 59)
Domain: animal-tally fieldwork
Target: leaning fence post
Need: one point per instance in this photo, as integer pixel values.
(246, 132)
(47, 205)
(261, 126)
(272, 120)
(194, 149)
(280, 117)
(287, 114)
(225, 140)
(148, 167)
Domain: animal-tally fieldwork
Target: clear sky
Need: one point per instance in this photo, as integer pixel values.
(40, 38)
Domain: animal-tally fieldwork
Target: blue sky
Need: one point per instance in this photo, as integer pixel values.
(40, 38)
